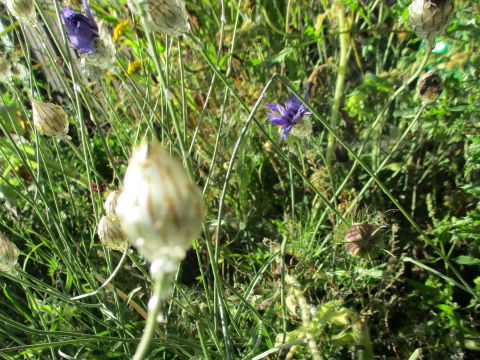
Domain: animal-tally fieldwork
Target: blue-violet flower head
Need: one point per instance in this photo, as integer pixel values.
(82, 31)
(287, 116)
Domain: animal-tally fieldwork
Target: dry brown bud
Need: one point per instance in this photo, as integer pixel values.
(49, 119)
(429, 86)
(364, 240)
(110, 233)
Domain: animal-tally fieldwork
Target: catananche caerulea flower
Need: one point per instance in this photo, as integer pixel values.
(288, 115)
(82, 31)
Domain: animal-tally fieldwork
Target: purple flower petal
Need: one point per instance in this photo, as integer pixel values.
(286, 131)
(275, 107)
(289, 114)
(277, 119)
(292, 103)
(82, 31)
(89, 14)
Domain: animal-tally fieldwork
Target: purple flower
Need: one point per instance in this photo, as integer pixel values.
(288, 115)
(82, 31)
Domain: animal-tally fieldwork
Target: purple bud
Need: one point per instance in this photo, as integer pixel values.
(82, 31)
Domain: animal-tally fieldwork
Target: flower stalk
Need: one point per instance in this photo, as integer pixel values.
(344, 47)
(161, 212)
(154, 306)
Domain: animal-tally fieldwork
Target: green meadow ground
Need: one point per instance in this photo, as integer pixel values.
(270, 276)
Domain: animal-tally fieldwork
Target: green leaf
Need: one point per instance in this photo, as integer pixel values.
(467, 260)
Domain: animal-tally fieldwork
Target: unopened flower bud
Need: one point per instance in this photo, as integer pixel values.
(430, 18)
(110, 233)
(8, 254)
(49, 119)
(364, 240)
(5, 71)
(159, 208)
(23, 10)
(111, 203)
(165, 16)
(429, 86)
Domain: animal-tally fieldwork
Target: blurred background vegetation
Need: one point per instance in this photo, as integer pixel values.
(271, 246)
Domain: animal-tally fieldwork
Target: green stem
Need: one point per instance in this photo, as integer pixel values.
(344, 44)
(160, 71)
(387, 192)
(387, 158)
(378, 120)
(153, 310)
(48, 162)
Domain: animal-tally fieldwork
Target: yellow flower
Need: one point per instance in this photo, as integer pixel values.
(134, 66)
(120, 29)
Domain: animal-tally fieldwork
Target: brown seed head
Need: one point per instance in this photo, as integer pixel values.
(429, 86)
(363, 240)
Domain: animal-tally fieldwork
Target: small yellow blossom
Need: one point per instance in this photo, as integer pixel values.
(120, 29)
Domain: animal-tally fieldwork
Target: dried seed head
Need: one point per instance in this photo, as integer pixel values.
(165, 16)
(429, 86)
(111, 203)
(8, 254)
(430, 18)
(23, 10)
(5, 71)
(110, 233)
(49, 119)
(364, 240)
(159, 208)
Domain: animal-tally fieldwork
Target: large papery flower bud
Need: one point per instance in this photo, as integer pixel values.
(49, 119)
(160, 209)
(165, 16)
(430, 18)
(8, 254)
(110, 233)
(429, 86)
(364, 240)
(23, 10)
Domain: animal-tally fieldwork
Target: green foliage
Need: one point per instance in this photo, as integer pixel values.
(276, 211)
